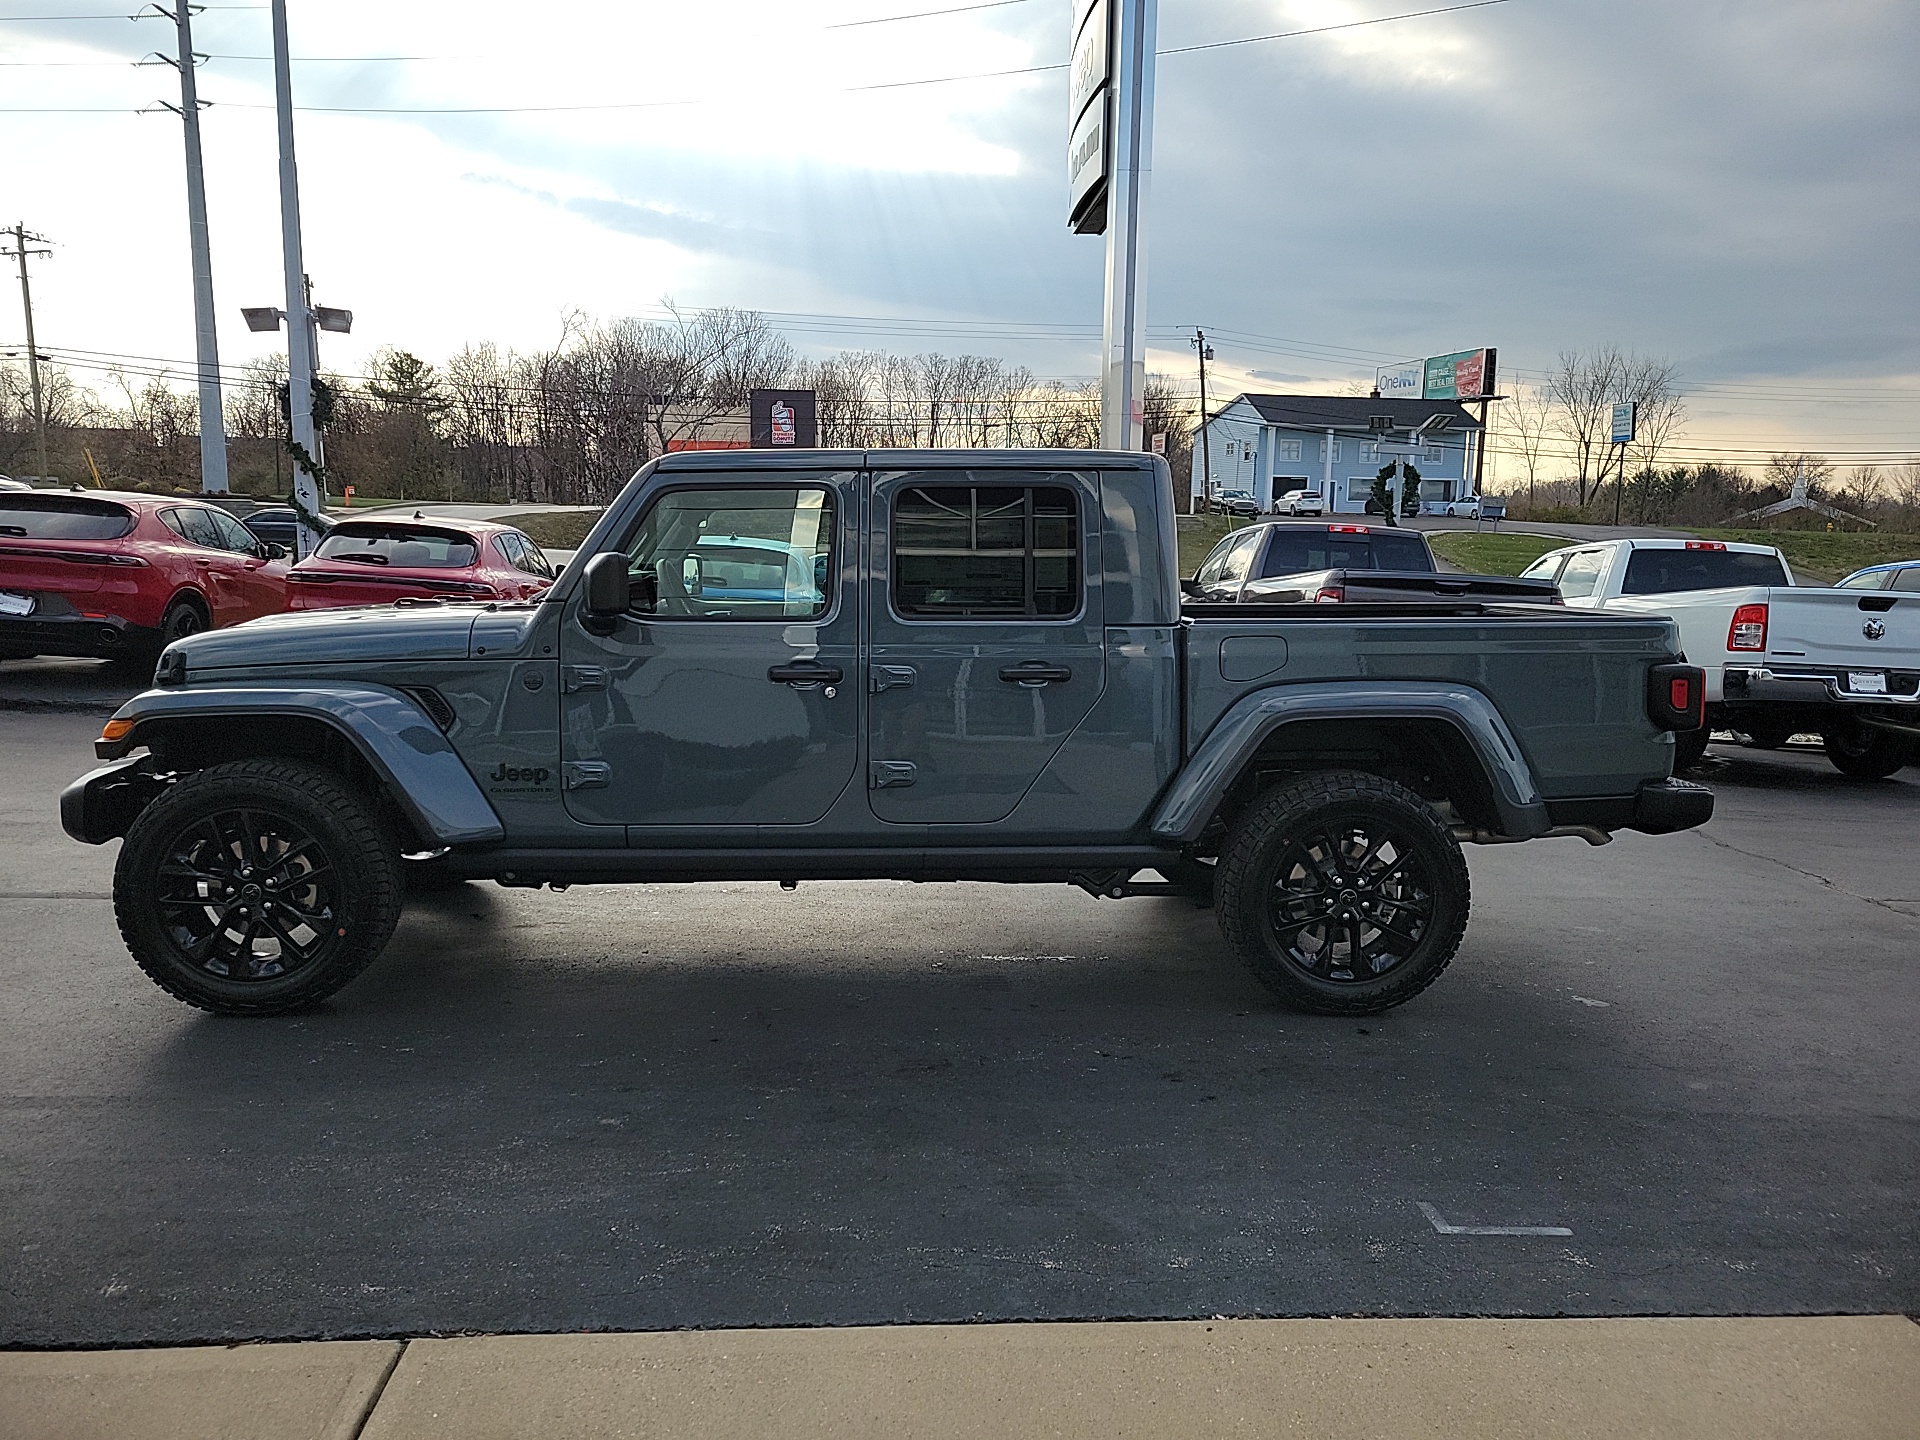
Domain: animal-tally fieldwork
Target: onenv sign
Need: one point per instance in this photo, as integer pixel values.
(1626, 419)
(1090, 73)
(1400, 382)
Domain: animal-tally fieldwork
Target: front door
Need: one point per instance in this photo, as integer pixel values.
(986, 636)
(728, 695)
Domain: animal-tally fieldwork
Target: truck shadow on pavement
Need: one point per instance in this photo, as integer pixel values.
(702, 1106)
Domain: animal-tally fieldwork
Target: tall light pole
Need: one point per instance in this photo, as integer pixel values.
(24, 243)
(213, 424)
(300, 434)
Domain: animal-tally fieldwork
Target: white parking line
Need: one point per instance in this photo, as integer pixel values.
(1439, 1223)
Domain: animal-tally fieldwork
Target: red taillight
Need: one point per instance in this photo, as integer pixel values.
(1705, 545)
(1348, 530)
(1330, 595)
(1749, 628)
(1680, 695)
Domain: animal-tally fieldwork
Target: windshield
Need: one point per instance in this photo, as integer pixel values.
(62, 517)
(1297, 549)
(404, 547)
(1663, 571)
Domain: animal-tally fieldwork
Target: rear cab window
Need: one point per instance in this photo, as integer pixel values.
(1668, 569)
(62, 517)
(403, 547)
(1298, 550)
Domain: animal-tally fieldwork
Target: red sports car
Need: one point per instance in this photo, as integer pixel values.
(377, 561)
(98, 572)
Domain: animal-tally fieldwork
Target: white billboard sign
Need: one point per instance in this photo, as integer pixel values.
(1401, 382)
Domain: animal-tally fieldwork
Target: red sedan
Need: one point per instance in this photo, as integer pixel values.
(376, 561)
(117, 575)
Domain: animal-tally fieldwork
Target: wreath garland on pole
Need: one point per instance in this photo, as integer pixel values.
(321, 409)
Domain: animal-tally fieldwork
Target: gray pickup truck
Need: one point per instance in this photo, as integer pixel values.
(909, 665)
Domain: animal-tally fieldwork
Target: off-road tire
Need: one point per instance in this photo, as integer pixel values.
(1263, 850)
(1866, 753)
(358, 893)
(1690, 747)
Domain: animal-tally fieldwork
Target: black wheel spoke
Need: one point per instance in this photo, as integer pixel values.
(1361, 891)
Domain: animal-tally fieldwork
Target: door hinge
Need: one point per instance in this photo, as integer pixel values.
(586, 774)
(889, 677)
(582, 677)
(889, 774)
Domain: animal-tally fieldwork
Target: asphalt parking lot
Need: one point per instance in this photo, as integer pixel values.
(864, 1103)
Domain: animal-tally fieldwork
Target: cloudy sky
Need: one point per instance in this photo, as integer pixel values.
(1731, 184)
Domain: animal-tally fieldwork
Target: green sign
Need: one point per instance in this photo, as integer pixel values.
(1463, 375)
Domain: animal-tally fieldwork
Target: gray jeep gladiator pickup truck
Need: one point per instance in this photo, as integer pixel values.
(910, 665)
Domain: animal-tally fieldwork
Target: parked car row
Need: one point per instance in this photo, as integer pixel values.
(119, 576)
(1296, 503)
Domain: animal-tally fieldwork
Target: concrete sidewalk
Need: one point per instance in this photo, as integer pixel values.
(1747, 1378)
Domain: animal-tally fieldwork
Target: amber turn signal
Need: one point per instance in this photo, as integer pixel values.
(116, 730)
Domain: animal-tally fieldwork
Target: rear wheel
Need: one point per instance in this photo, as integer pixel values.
(1866, 753)
(1345, 893)
(183, 617)
(257, 887)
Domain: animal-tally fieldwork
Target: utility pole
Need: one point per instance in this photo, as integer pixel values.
(1206, 448)
(300, 440)
(1124, 374)
(213, 424)
(23, 241)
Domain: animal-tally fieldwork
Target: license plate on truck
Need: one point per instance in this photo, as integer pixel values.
(1867, 682)
(12, 604)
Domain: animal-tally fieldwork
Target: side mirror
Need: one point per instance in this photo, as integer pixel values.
(1190, 587)
(271, 551)
(607, 595)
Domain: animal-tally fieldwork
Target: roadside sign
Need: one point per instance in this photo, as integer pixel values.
(1626, 417)
(1089, 102)
(782, 418)
(1463, 375)
(1400, 382)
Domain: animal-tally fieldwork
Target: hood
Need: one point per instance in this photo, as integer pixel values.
(319, 637)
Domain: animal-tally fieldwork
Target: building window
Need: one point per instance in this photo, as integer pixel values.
(1286, 450)
(984, 551)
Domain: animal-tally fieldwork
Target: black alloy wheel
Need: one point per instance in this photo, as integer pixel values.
(1866, 753)
(256, 887)
(183, 618)
(1345, 893)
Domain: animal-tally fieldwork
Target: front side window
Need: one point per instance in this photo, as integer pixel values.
(985, 551)
(735, 554)
(404, 547)
(1872, 580)
(233, 535)
(1240, 558)
(1543, 568)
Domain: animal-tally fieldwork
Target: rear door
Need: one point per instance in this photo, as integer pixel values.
(730, 695)
(986, 644)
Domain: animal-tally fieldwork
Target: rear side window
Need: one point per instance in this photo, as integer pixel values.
(1908, 579)
(1582, 575)
(980, 551)
(1660, 572)
(62, 517)
(195, 526)
(404, 547)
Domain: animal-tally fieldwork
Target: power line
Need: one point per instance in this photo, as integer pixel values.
(923, 14)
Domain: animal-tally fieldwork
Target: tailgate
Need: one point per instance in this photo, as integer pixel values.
(43, 566)
(1864, 629)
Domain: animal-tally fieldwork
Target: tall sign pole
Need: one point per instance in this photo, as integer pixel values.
(300, 439)
(1109, 164)
(1124, 380)
(213, 425)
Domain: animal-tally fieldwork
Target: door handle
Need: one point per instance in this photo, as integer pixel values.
(1032, 674)
(805, 672)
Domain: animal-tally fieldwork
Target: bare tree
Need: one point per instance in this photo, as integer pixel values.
(1525, 420)
(1660, 409)
(1584, 387)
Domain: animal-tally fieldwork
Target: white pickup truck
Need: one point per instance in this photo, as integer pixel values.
(1780, 659)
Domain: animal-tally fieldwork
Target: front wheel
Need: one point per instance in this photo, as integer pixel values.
(256, 887)
(1866, 753)
(1345, 893)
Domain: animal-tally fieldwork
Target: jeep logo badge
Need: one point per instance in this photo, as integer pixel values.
(1874, 629)
(528, 775)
